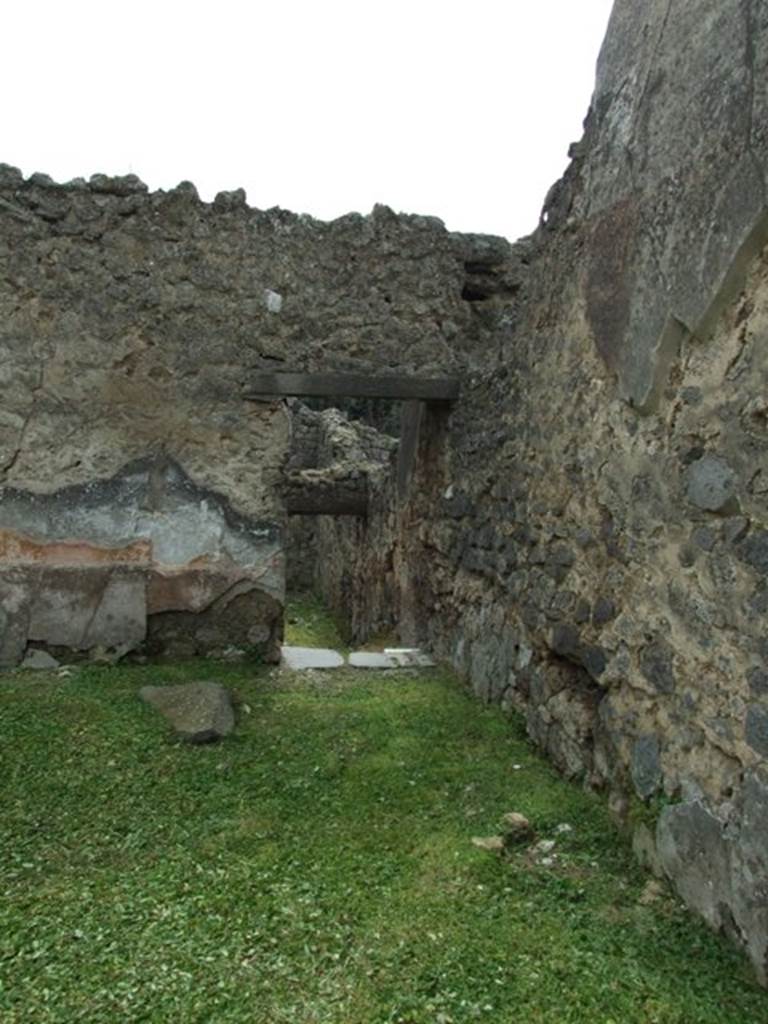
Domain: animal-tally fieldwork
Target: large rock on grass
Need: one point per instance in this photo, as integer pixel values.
(198, 712)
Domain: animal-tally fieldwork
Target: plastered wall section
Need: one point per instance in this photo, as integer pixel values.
(140, 506)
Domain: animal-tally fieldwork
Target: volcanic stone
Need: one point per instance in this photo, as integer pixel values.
(198, 712)
(711, 483)
(40, 661)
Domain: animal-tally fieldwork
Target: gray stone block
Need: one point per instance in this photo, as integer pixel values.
(298, 659)
(198, 712)
(749, 875)
(657, 667)
(409, 657)
(754, 551)
(735, 528)
(756, 728)
(10, 177)
(711, 484)
(39, 661)
(372, 659)
(647, 288)
(757, 678)
(696, 857)
(604, 611)
(646, 765)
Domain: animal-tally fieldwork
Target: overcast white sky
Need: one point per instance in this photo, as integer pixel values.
(463, 110)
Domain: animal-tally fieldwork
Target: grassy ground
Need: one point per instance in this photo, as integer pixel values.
(318, 867)
(308, 624)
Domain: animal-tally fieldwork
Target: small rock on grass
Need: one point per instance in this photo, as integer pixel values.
(544, 846)
(516, 829)
(493, 844)
(40, 661)
(198, 712)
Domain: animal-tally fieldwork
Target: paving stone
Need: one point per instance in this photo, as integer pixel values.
(391, 657)
(300, 658)
(410, 657)
(372, 659)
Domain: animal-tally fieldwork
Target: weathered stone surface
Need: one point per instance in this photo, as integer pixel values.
(82, 608)
(566, 640)
(653, 163)
(129, 324)
(592, 657)
(567, 643)
(198, 712)
(754, 551)
(390, 657)
(516, 830)
(721, 867)
(10, 176)
(735, 528)
(704, 538)
(757, 678)
(749, 873)
(409, 657)
(39, 661)
(14, 622)
(711, 484)
(645, 289)
(756, 729)
(121, 185)
(657, 667)
(298, 659)
(695, 855)
(604, 611)
(646, 765)
(372, 659)
(117, 562)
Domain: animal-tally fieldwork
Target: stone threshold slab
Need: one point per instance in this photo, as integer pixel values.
(301, 658)
(391, 657)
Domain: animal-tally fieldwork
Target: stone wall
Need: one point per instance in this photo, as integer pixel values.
(334, 555)
(140, 489)
(585, 534)
(587, 537)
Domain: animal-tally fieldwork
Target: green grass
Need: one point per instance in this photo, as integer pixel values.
(318, 867)
(308, 624)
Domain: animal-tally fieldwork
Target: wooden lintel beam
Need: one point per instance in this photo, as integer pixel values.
(410, 425)
(343, 385)
(309, 505)
(313, 495)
